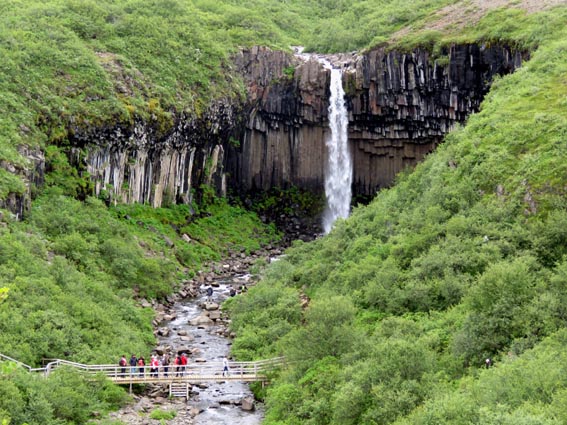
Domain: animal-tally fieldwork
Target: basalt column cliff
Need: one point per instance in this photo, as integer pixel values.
(400, 106)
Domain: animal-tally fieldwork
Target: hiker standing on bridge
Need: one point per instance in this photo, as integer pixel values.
(165, 364)
(177, 363)
(183, 364)
(225, 367)
(133, 363)
(154, 366)
(123, 364)
(141, 365)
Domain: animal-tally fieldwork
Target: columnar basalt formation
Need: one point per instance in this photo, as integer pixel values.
(403, 104)
(138, 164)
(32, 176)
(282, 142)
(400, 107)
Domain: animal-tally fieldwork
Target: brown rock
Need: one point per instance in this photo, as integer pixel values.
(248, 404)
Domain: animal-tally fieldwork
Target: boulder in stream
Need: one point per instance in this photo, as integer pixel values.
(201, 320)
(210, 306)
(247, 404)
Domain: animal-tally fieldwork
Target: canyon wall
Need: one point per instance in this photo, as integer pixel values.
(32, 175)
(139, 164)
(400, 106)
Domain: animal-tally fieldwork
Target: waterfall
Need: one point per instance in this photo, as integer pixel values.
(338, 176)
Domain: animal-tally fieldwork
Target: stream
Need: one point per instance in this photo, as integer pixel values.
(218, 403)
(212, 403)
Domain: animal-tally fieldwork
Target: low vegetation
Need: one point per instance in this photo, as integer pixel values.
(463, 260)
(75, 271)
(164, 415)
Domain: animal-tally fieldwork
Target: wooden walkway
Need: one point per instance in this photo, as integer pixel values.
(193, 373)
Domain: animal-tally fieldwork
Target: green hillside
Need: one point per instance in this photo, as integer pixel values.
(71, 65)
(463, 260)
(76, 272)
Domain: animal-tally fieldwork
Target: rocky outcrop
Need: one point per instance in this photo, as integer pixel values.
(282, 141)
(32, 175)
(139, 164)
(400, 106)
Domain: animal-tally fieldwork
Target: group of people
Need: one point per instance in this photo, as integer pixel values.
(163, 362)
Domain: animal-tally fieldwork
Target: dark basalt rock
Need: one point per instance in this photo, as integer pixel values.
(400, 106)
(138, 163)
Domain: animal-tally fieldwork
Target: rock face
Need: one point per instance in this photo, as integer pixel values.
(282, 141)
(138, 164)
(32, 175)
(400, 106)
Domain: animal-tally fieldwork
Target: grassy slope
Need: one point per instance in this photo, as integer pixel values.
(72, 266)
(69, 64)
(462, 260)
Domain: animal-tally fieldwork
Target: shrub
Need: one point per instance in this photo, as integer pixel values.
(164, 415)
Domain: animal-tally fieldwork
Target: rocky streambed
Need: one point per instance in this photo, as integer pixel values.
(192, 322)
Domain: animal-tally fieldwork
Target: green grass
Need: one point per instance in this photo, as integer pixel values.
(462, 260)
(75, 272)
(165, 415)
(508, 25)
(406, 298)
(72, 66)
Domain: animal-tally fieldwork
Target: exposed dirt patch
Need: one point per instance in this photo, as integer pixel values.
(468, 12)
(126, 81)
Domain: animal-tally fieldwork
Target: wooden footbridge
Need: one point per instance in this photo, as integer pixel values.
(179, 378)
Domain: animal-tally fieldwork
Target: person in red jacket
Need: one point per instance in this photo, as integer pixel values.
(123, 364)
(177, 363)
(183, 364)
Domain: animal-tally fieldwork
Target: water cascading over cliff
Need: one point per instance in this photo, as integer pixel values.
(338, 175)
(399, 107)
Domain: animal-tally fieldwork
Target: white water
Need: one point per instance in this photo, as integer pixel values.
(338, 178)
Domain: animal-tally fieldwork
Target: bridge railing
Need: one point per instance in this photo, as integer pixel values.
(193, 370)
(23, 365)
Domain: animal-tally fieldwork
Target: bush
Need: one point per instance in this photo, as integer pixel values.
(164, 415)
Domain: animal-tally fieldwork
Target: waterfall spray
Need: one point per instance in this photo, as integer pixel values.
(338, 178)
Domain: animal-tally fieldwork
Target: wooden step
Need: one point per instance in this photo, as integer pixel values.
(179, 390)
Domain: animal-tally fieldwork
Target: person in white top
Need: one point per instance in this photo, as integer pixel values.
(154, 366)
(225, 367)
